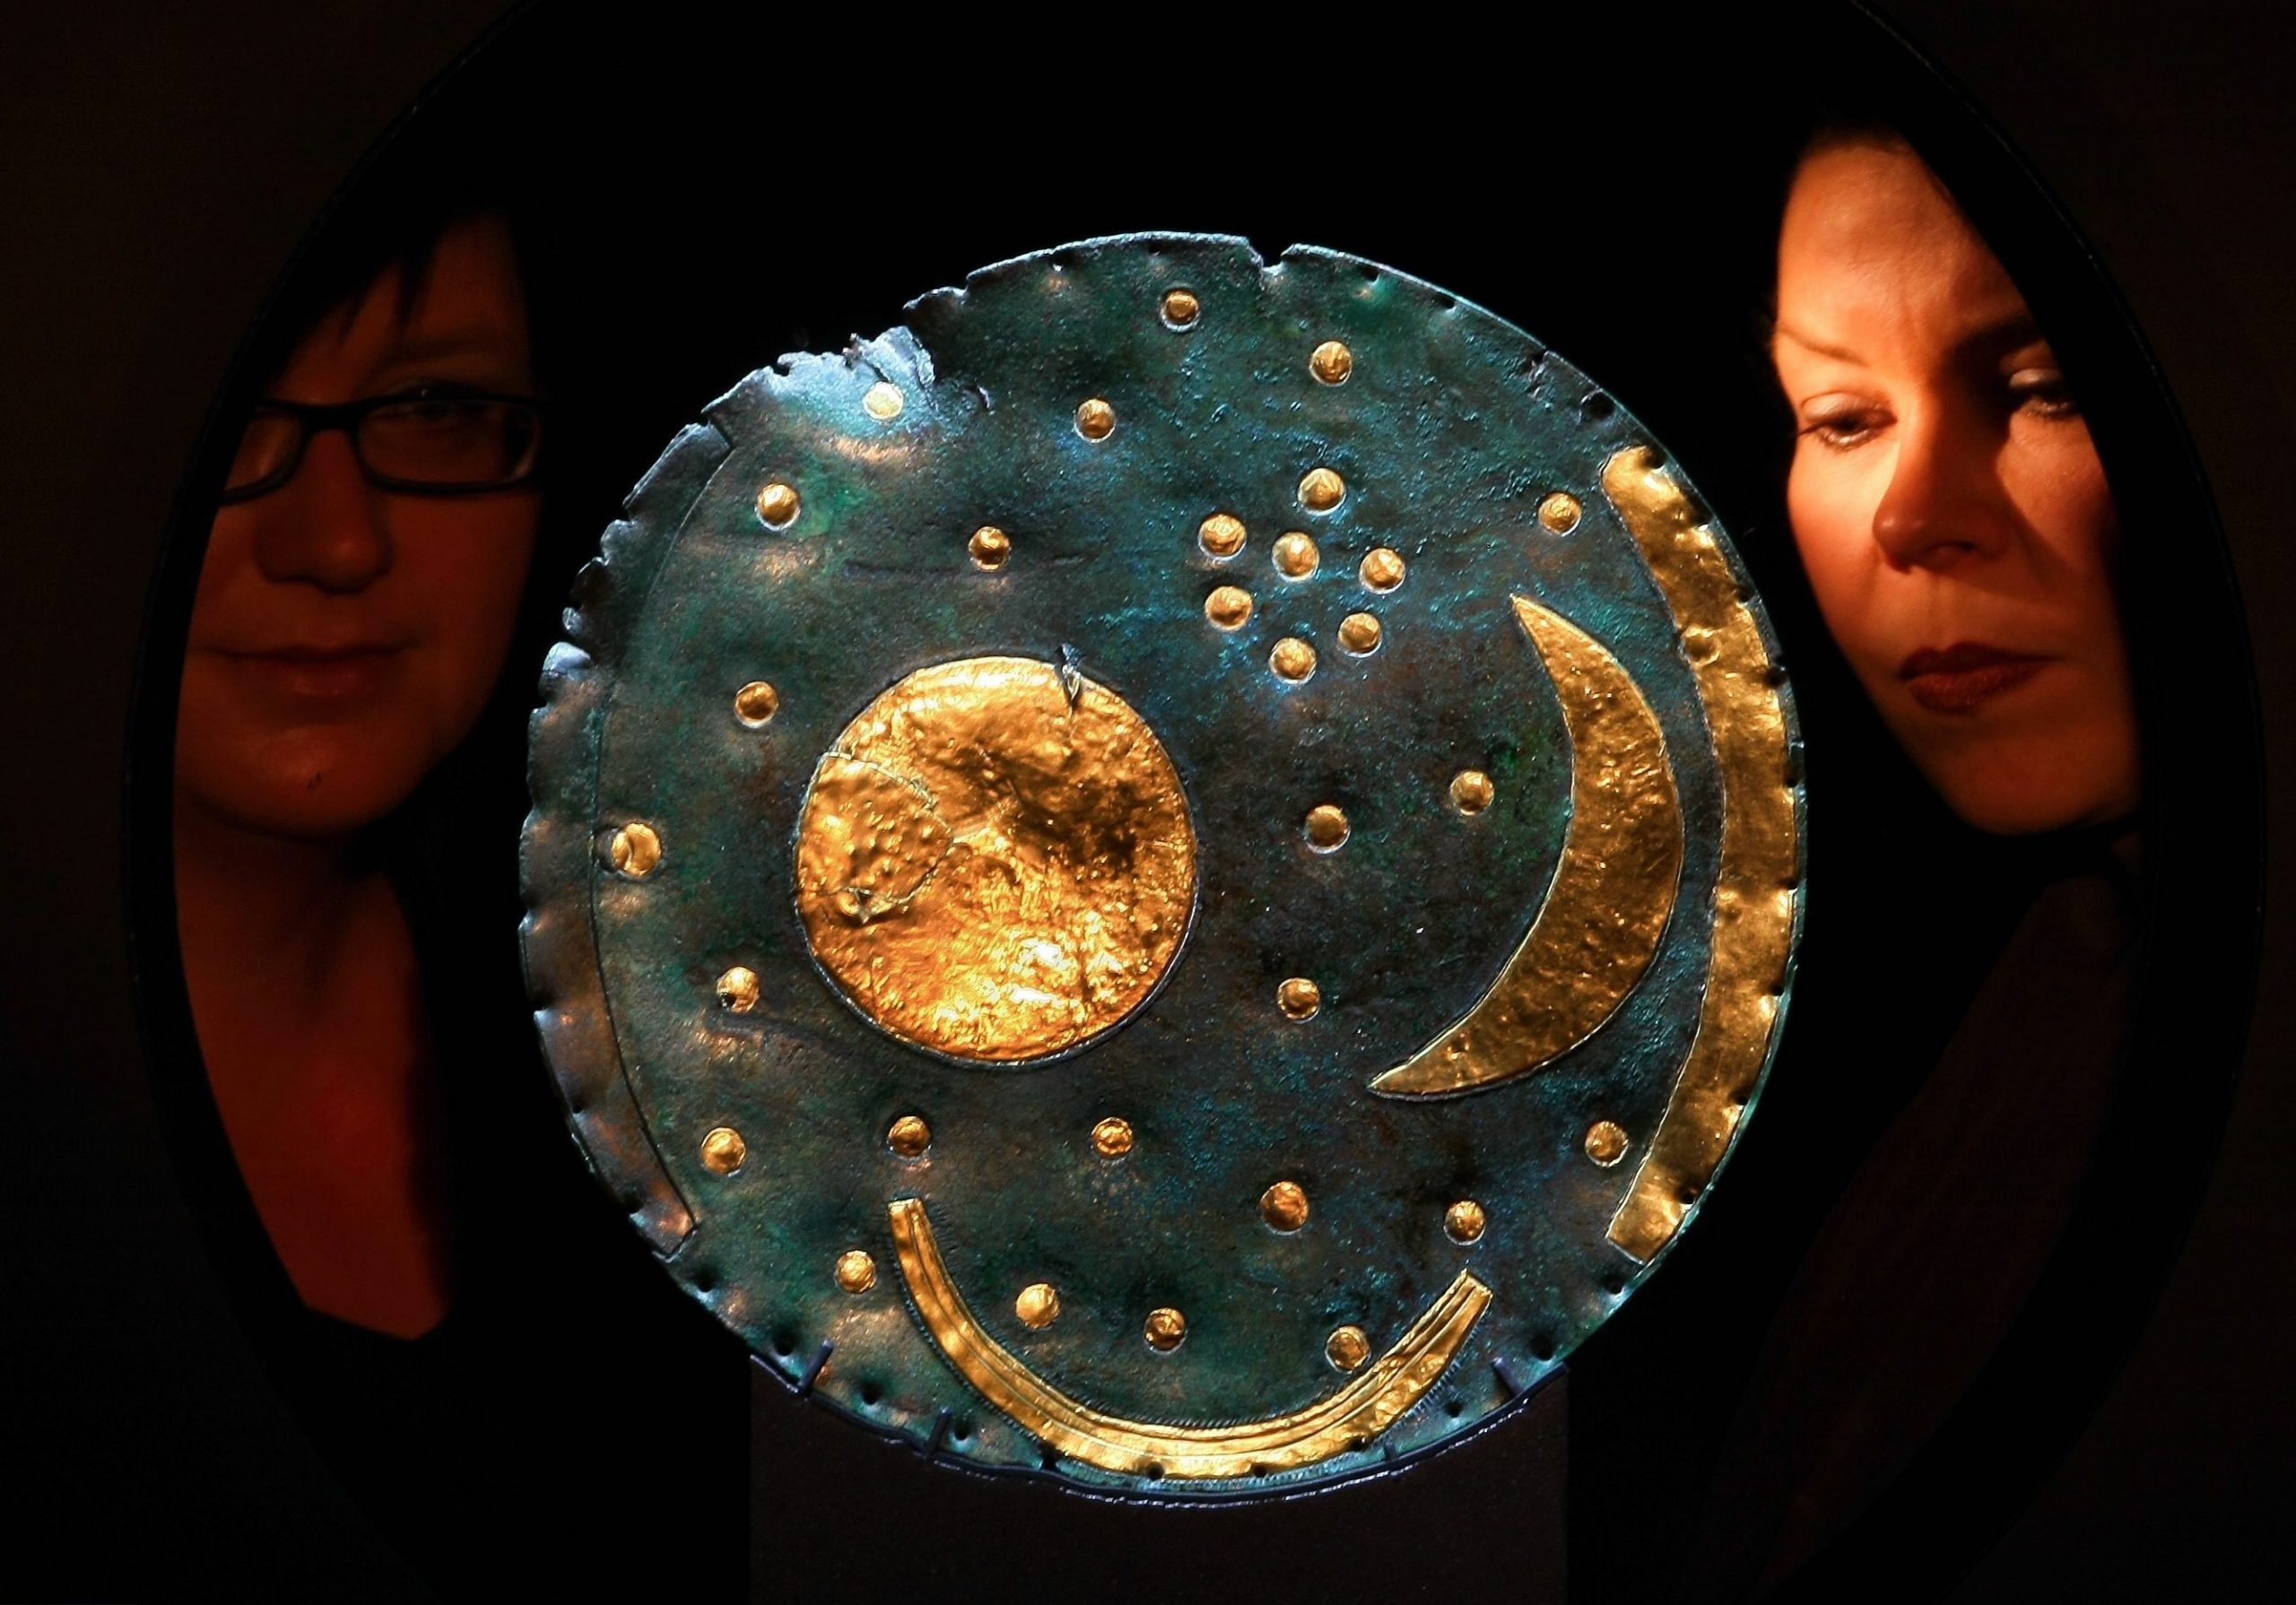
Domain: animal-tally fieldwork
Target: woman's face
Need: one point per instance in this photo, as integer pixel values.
(1949, 506)
(345, 636)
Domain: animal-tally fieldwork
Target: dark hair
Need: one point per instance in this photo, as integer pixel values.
(439, 170)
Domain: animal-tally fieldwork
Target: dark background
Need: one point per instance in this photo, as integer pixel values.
(160, 170)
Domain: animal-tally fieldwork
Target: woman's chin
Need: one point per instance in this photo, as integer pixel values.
(2015, 795)
(317, 795)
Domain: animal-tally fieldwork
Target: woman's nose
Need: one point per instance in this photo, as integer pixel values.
(1944, 504)
(326, 526)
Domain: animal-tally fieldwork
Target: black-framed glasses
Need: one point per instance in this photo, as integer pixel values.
(427, 442)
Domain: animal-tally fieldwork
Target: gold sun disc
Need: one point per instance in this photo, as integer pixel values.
(995, 861)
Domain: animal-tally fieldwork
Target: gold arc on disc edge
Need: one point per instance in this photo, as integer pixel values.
(1757, 883)
(1350, 1418)
(1612, 892)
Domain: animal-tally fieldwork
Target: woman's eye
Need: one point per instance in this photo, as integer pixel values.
(1844, 425)
(2041, 392)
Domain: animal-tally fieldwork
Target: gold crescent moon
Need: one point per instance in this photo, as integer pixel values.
(1612, 894)
(1348, 1419)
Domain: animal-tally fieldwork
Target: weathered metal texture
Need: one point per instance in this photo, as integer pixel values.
(1450, 428)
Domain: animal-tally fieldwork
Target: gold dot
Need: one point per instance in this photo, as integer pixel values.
(908, 1137)
(989, 547)
(1359, 633)
(1296, 556)
(1327, 827)
(1284, 1207)
(1221, 535)
(1332, 362)
(1294, 659)
(856, 1272)
(883, 402)
(723, 1150)
(1165, 1330)
(777, 504)
(1560, 513)
(1347, 1347)
(1037, 1307)
(1471, 791)
(1382, 568)
(1322, 490)
(1096, 420)
(1463, 1222)
(1229, 607)
(1181, 308)
(1112, 1137)
(755, 703)
(1299, 998)
(738, 990)
(1605, 1142)
(634, 850)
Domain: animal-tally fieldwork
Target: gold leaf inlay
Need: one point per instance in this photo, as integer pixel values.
(1754, 895)
(995, 860)
(1352, 1417)
(1607, 905)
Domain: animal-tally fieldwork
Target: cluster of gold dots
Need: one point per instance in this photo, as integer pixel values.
(1284, 1206)
(1229, 607)
(1096, 420)
(1293, 659)
(1221, 535)
(634, 850)
(989, 548)
(777, 504)
(756, 703)
(1037, 1307)
(1360, 634)
(1299, 998)
(908, 1137)
(1295, 556)
(1112, 1138)
(1471, 791)
(1327, 827)
(723, 1151)
(856, 1272)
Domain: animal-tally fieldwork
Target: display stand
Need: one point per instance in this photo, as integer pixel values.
(836, 1514)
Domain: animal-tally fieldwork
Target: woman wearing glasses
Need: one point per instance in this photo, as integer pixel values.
(357, 600)
(454, 1311)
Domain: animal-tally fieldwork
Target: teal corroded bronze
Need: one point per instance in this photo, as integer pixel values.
(1177, 872)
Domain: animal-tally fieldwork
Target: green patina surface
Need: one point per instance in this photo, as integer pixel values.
(1452, 427)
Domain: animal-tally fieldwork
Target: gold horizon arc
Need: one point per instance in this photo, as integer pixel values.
(1348, 1418)
(1606, 908)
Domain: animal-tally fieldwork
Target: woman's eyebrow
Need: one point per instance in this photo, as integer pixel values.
(2005, 335)
(1838, 353)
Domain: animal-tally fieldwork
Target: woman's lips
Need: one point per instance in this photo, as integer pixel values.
(1958, 679)
(324, 673)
